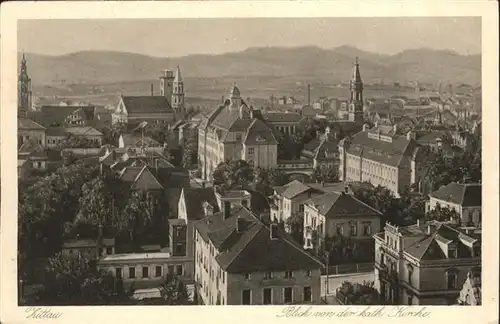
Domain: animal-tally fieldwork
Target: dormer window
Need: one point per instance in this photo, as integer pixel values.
(452, 252)
(238, 137)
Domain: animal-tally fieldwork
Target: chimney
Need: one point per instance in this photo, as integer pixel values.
(309, 94)
(203, 184)
(346, 189)
(273, 231)
(418, 222)
(365, 127)
(395, 128)
(152, 92)
(239, 225)
(429, 229)
(227, 209)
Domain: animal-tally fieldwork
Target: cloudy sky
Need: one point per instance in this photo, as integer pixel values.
(179, 37)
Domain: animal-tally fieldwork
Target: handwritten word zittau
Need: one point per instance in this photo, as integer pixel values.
(41, 313)
(370, 311)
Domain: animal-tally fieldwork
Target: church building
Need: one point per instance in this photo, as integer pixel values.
(163, 109)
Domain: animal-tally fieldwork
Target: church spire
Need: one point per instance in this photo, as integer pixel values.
(178, 93)
(356, 94)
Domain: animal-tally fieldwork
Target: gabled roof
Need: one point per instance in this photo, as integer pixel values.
(83, 131)
(136, 140)
(146, 104)
(463, 194)
(28, 124)
(145, 180)
(56, 132)
(194, 198)
(340, 204)
(258, 134)
(242, 251)
(292, 189)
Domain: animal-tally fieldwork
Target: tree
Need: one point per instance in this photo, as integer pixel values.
(442, 214)
(358, 293)
(295, 226)
(381, 199)
(96, 203)
(324, 173)
(190, 149)
(265, 179)
(231, 175)
(174, 291)
(137, 214)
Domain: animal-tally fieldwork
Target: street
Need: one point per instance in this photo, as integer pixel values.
(336, 280)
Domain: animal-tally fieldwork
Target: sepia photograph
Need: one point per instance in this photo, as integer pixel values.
(314, 166)
(242, 168)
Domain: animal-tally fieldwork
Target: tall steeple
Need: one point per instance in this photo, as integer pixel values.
(356, 97)
(24, 87)
(235, 97)
(178, 93)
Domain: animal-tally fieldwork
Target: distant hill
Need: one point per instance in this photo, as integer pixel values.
(423, 65)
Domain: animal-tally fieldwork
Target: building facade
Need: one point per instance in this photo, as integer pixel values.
(424, 264)
(231, 268)
(30, 131)
(380, 156)
(464, 198)
(235, 131)
(338, 214)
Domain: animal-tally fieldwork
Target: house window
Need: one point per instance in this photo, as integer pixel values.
(353, 229)
(247, 276)
(288, 274)
(118, 272)
(145, 272)
(367, 229)
(267, 296)
(158, 271)
(309, 273)
(382, 258)
(109, 250)
(250, 151)
(410, 275)
(307, 294)
(451, 279)
(246, 297)
(179, 270)
(301, 208)
(452, 253)
(268, 275)
(238, 137)
(287, 295)
(339, 229)
(131, 272)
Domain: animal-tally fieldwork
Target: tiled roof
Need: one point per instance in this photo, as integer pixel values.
(145, 180)
(146, 104)
(282, 117)
(28, 124)
(56, 131)
(293, 189)
(83, 131)
(424, 246)
(194, 199)
(259, 134)
(136, 140)
(241, 251)
(50, 115)
(340, 204)
(463, 194)
(389, 153)
(129, 174)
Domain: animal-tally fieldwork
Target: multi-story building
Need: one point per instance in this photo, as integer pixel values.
(464, 198)
(425, 263)
(380, 156)
(338, 214)
(284, 122)
(241, 261)
(30, 131)
(235, 131)
(66, 116)
(163, 109)
(323, 150)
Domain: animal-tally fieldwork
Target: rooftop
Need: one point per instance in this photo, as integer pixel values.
(463, 194)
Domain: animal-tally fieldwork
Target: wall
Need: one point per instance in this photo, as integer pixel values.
(300, 279)
(29, 135)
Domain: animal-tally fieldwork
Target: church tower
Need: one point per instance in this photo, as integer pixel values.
(166, 84)
(178, 94)
(24, 88)
(235, 98)
(356, 98)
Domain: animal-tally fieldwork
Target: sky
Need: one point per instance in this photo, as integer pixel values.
(180, 37)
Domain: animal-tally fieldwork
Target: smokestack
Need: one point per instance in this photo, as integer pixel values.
(152, 93)
(308, 94)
